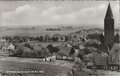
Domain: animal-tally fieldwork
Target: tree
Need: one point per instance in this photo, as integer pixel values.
(37, 38)
(93, 36)
(91, 43)
(41, 38)
(16, 38)
(56, 49)
(77, 67)
(52, 49)
(24, 38)
(80, 55)
(89, 50)
(66, 38)
(55, 39)
(72, 51)
(78, 64)
(86, 51)
(45, 52)
(31, 38)
(29, 53)
(46, 37)
(29, 46)
(19, 51)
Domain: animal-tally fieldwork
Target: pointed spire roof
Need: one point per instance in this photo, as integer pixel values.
(109, 12)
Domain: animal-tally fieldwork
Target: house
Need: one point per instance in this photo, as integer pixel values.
(2, 40)
(64, 51)
(50, 59)
(7, 48)
(90, 64)
(81, 47)
(66, 45)
(4, 47)
(114, 58)
(103, 48)
(101, 61)
(11, 47)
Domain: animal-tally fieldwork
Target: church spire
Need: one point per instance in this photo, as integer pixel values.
(109, 27)
(109, 12)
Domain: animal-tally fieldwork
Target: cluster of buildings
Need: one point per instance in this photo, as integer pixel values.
(6, 48)
(110, 43)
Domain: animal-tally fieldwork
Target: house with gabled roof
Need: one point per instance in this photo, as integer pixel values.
(64, 51)
(115, 55)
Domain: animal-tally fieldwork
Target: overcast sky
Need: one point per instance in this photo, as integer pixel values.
(14, 13)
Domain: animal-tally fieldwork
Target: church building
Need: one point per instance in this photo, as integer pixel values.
(109, 38)
(110, 43)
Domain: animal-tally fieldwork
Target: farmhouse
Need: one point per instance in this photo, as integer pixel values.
(5, 46)
(11, 47)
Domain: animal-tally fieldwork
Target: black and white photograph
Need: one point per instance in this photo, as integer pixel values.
(59, 37)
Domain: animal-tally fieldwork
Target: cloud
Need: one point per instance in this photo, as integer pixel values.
(19, 11)
(102, 6)
(33, 15)
(116, 12)
(19, 15)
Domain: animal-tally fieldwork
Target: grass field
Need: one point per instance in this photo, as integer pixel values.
(58, 68)
(4, 32)
(50, 70)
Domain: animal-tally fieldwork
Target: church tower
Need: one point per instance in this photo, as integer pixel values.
(109, 28)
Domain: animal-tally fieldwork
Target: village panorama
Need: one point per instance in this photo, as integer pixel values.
(58, 49)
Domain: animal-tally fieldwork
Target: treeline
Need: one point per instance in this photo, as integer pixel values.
(34, 51)
(46, 38)
(53, 29)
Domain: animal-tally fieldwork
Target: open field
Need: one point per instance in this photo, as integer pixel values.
(58, 68)
(50, 70)
(21, 32)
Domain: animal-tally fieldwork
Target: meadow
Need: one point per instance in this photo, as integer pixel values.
(49, 70)
(23, 32)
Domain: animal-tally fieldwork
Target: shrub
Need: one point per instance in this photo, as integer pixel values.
(19, 51)
(28, 45)
(29, 53)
